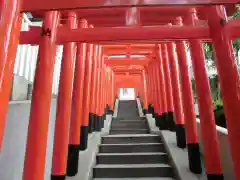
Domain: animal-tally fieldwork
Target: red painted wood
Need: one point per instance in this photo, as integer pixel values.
(46, 5)
(228, 78)
(35, 156)
(10, 26)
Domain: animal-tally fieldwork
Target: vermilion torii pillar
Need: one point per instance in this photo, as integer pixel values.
(157, 96)
(168, 88)
(162, 90)
(150, 91)
(96, 100)
(152, 106)
(152, 78)
(107, 94)
(108, 91)
(35, 155)
(102, 95)
(77, 103)
(10, 26)
(112, 103)
(99, 94)
(110, 97)
(188, 109)
(207, 122)
(86, 97)
(138, 93)
(177, 102)
(228, 78)
(149, 86)
(145, 100)
(104, 91)
(93, 89)
(63, 116)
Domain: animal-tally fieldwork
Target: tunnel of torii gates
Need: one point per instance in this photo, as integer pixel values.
(95, 32)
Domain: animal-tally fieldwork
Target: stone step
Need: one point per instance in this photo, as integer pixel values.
(129, 126)
(130, 135)
(143, 122)
(129, 152)
(133, 118)
(128, 109)
(132, 170)
(147, 178)
(128, 131)
(130, 119)
(132, 158)
(141, 138)
(131, 148)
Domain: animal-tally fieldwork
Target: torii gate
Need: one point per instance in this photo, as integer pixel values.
(166, 25)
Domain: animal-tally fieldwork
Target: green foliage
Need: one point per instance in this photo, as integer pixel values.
(208, 48)
(219, 113)
(236, 45)
(217, 104)
(215, 87)
(237, 14)
(214, 84)
(220, 118)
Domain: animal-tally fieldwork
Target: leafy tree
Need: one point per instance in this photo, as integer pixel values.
(208, 48)
(210, 58)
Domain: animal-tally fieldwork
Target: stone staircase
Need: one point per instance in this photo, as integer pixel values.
(130, 152)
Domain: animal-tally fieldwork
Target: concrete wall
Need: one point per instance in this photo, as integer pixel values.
(19, 88)
(226, 157)
(26, 58)
(22, 89)
(14, 142)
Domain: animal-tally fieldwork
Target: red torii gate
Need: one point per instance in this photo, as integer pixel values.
(29, 6)
(160, 75)
(105, 34)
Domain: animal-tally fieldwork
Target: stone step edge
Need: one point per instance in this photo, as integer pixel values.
(159, 165)
(132, 144)
(133, 154)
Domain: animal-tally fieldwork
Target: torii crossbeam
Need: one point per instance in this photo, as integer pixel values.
(46, 5)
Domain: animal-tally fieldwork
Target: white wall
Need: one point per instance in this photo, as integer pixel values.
(14, 141)
(130, 95)
(26, 59)
(226, 158)
(14, 144)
